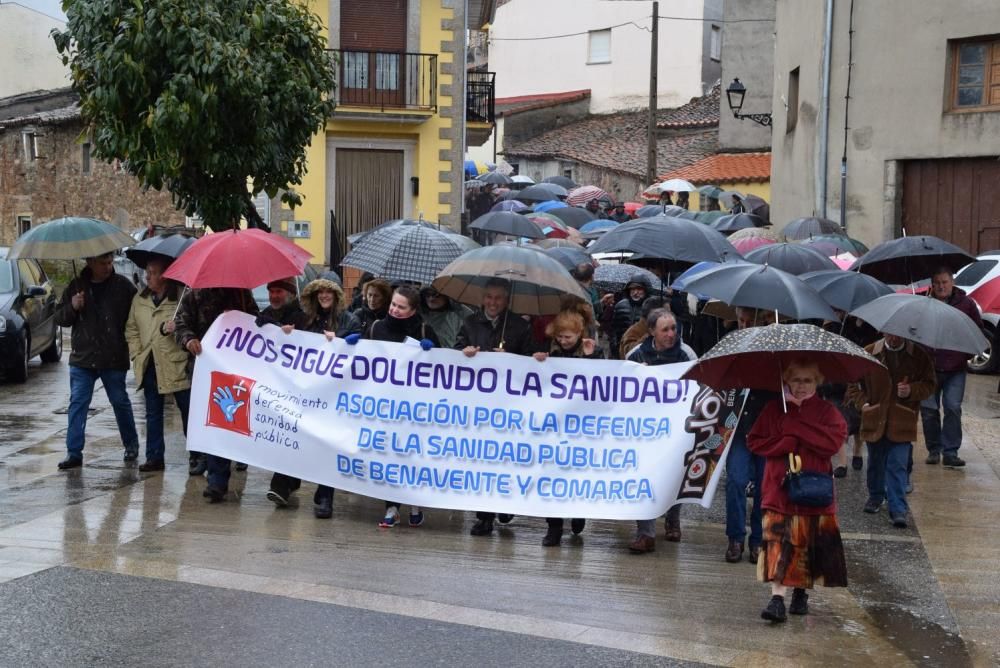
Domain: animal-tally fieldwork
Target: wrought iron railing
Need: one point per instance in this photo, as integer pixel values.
(480, 97)
(385, 80)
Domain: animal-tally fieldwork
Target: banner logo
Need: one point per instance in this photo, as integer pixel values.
(229, 403)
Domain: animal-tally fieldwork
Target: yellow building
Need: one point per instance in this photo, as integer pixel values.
(404, 112)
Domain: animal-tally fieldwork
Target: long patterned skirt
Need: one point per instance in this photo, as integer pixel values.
(802, 550)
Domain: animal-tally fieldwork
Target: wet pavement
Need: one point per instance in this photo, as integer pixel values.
(106, 566)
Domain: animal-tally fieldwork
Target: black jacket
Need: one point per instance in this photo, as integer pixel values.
(98, 335)
(290, 314)
(647, 353)
(627, 313)
(479, 331)
(394, 329)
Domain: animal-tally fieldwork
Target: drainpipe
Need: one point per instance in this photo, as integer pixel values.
(824, 111)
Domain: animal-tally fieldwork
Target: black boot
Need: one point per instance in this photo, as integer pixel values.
(324, 509)
(800, 602)
(577, 524)
(775, 610)
(197, 464)
(482, 528)
(552, 537)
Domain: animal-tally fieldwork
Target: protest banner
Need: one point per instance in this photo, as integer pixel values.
(495, 432)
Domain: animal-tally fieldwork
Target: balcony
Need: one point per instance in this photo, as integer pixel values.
(480, 106)
(401, 85)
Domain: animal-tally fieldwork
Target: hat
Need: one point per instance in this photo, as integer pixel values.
(286, 284)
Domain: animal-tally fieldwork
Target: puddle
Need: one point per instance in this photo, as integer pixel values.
(923, 642)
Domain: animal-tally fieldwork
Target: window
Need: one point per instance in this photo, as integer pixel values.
(298, 229)
(568, 173)
(792, 101)
(715, 45)
(600, 47)
(23, 224)
(976, 75)
(85, 158)
(30, 141)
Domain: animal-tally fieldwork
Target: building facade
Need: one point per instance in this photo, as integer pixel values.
(606, 49)
(28, 57)
(918, 131)
(394, 144)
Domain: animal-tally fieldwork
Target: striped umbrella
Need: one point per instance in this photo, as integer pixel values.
(538, 282)
(70, 238)
(580, 196)
(405, 253)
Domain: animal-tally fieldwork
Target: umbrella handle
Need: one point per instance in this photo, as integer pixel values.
(178, 307)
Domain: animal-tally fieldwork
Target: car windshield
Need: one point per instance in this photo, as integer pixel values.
(6, 276)
(974, 272)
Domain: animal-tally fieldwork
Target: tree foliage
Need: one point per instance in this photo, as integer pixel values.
(201, 96)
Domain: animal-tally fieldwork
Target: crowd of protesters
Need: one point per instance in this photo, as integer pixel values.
(158, 332)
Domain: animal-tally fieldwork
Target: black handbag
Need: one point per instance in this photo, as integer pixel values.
(807, 488)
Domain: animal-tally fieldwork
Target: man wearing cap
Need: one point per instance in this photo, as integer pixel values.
(619, 216)
(283, 308)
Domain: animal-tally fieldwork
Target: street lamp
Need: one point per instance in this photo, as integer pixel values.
(734, 95)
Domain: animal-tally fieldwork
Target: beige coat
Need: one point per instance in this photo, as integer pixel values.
(146, 339)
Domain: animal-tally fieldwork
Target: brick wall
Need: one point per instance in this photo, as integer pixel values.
(55, 185)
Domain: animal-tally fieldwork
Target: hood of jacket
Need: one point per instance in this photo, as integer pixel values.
(309, 299)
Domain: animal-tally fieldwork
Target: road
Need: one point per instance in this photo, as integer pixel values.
(106, 566)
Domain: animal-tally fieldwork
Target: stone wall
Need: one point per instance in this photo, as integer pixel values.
(55, 184)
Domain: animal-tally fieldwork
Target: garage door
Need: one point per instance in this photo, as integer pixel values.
(368, 190)
(955, 199)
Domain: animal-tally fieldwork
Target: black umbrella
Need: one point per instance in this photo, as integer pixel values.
(405, 253)
(762, 287)
(793, 258)
(648, 211)
(925, 320)
(911, 259)
(553, 188)
(494, 178)
(756, 357)
(538, 193)
(614, 277)
(734, 222)
(846, 290)
(563, 181)
(569, 257)
(507, 222)
(164, 245)
(677, 243)
(803, 228)
(573, 216)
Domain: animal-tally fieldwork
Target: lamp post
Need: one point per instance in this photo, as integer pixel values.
(734, 95)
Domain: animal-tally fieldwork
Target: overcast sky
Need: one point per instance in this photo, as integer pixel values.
(51, 7)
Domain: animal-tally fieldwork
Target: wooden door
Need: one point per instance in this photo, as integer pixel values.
(368, 190)
(373, 47)
(956, 199)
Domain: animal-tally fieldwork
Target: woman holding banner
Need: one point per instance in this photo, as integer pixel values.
(802, 544)
(402, 321)
(566, 332)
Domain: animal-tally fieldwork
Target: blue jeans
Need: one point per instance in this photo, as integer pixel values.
(742, 466)
(945, 435)
(154, 413)
(81, 391)
(887, 475)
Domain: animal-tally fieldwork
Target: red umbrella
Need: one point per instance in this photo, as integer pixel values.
(632, 207)
(238, 259)
(987, 296)
(747, 244)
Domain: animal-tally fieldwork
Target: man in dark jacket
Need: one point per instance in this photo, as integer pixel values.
(619, 215)
(663, 345)
(628, 310)
(494, 328)
(944, 437)
(96, 305)
(283, 308)
(195, 314)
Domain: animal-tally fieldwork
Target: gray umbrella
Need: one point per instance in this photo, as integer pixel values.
(563, 181)
(539, 193)
(925, 320)
(793, 258)
(676, 242)
(569, 257)
(803, 228)
(846, 290)
(734, 222)
(405, 253)
(762, 287)
(507, 222)
(614, 277)
(494, 178)
(169, 246)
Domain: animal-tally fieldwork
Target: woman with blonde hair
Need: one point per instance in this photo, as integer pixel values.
(802, 544)
(567, 335)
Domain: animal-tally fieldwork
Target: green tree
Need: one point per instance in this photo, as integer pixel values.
(201, 96)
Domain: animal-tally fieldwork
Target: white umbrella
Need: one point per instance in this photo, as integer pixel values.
(677, 186)
(521, 178)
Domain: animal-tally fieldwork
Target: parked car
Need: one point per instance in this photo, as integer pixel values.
(971, 276)
(27, 317)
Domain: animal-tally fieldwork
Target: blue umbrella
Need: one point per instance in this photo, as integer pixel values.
(680, 283)
(542, 207)
(598, 226)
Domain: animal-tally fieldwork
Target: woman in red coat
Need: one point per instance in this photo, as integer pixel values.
(802, 544)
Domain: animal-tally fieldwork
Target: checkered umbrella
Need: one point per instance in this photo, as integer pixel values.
(405, 252)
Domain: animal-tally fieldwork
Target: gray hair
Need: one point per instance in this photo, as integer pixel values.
(656, 314)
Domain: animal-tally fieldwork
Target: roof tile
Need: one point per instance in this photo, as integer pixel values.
(725, 168)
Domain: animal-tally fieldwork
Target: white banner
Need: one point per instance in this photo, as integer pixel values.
(496, 432)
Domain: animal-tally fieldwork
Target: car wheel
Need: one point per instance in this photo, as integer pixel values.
(986, 361)
(54, 352)
(19, 373)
